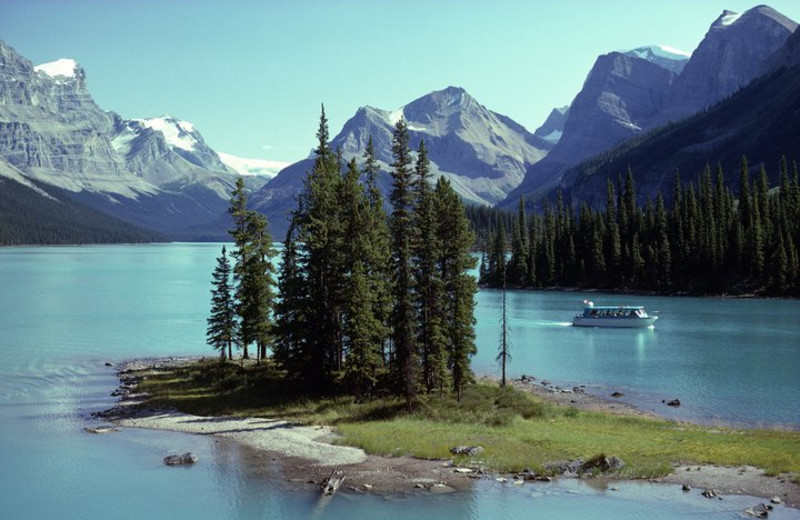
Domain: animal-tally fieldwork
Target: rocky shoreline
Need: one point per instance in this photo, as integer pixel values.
(308, 455)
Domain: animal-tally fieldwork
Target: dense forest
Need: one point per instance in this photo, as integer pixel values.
(365, 299)
(27, 217)
(705, 241)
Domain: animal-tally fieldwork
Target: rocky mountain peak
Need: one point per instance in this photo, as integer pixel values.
(62, 70)
(662, 55)
(439, 106)
(732, 53)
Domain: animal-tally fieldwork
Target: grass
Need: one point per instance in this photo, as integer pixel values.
(516, 430)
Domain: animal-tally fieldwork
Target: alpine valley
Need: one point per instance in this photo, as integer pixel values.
(73, 172)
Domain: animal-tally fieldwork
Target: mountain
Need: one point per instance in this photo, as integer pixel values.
(759, 121)
(619, 102)
(621, 95)
(731, 54)
(663, 56)
(157, 173)
(252, 167)
(553, 127)
(34, 213)
(484, 154)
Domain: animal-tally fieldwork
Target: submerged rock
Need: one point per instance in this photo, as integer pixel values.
(101, 429)
(177, 460)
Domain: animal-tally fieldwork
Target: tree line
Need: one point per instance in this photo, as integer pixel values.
(704, 241)
(371, 299)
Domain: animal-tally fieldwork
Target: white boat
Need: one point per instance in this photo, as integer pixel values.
(622, 316)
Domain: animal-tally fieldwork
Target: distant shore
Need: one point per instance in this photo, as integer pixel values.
(308, 453)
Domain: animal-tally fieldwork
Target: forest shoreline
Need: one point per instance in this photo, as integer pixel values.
(308, 454)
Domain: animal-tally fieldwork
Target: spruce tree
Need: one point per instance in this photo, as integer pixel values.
(221, 330)
(377, 255)
(431, 339)
(362, 331)
(401, 224)
(459, 285)
(291, 309)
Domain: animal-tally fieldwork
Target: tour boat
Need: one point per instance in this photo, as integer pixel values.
(622, 316)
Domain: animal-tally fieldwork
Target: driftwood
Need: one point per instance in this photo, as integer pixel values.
(331, 484)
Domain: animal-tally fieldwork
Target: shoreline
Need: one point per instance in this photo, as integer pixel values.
(309, 453)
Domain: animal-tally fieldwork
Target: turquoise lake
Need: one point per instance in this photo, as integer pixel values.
(66, 311)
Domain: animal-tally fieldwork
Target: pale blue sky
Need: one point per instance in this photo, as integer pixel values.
(251, 74)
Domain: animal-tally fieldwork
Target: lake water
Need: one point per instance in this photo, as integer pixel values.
(65, 311)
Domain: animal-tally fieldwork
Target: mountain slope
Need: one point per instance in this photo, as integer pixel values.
(731, 54)
(34, 213)
(484, 154)
(621, 95)
(759, 121)
(157, 173)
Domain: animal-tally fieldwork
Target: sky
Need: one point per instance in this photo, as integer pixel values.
(252, 75)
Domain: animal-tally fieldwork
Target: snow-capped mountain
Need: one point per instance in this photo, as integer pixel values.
(668, 57)
(484, 154)
(253, 167)
(641, 89)
(731, 54)
(158, 173)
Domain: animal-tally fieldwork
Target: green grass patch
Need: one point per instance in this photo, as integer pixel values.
(516, 430)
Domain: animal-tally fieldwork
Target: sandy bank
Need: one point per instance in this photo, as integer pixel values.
(309, 455)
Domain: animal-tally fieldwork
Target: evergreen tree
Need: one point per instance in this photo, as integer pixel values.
(402, 235)
(363, 333)
(291, 309)
(258, 296)
(377, 255)
(428, 284)
(221, 329)
(459, 285)
(241, 253)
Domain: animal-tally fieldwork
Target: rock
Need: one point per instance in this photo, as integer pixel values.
(101, 429)
(601, 463)
(686, 487)
(775, 500)
(674, 402)
(419, 486)
(759, 511)
(470, 451)
(441, 489)
(710, 493)
(177, 460)
(188, 458)
(617, 394)
(462, 470)
(109, 364)
(502, 480)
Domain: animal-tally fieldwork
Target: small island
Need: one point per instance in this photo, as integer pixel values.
(524, 432)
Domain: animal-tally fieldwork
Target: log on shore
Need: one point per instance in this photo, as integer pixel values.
(331, 484)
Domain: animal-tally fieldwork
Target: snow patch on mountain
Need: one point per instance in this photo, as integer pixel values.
(64, 68)
(664, 56)
(395, 116)
(553, 136)
(253, 167)
(178, 134)
(728, 18)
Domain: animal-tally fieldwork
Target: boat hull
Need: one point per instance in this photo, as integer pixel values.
(614, 322)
